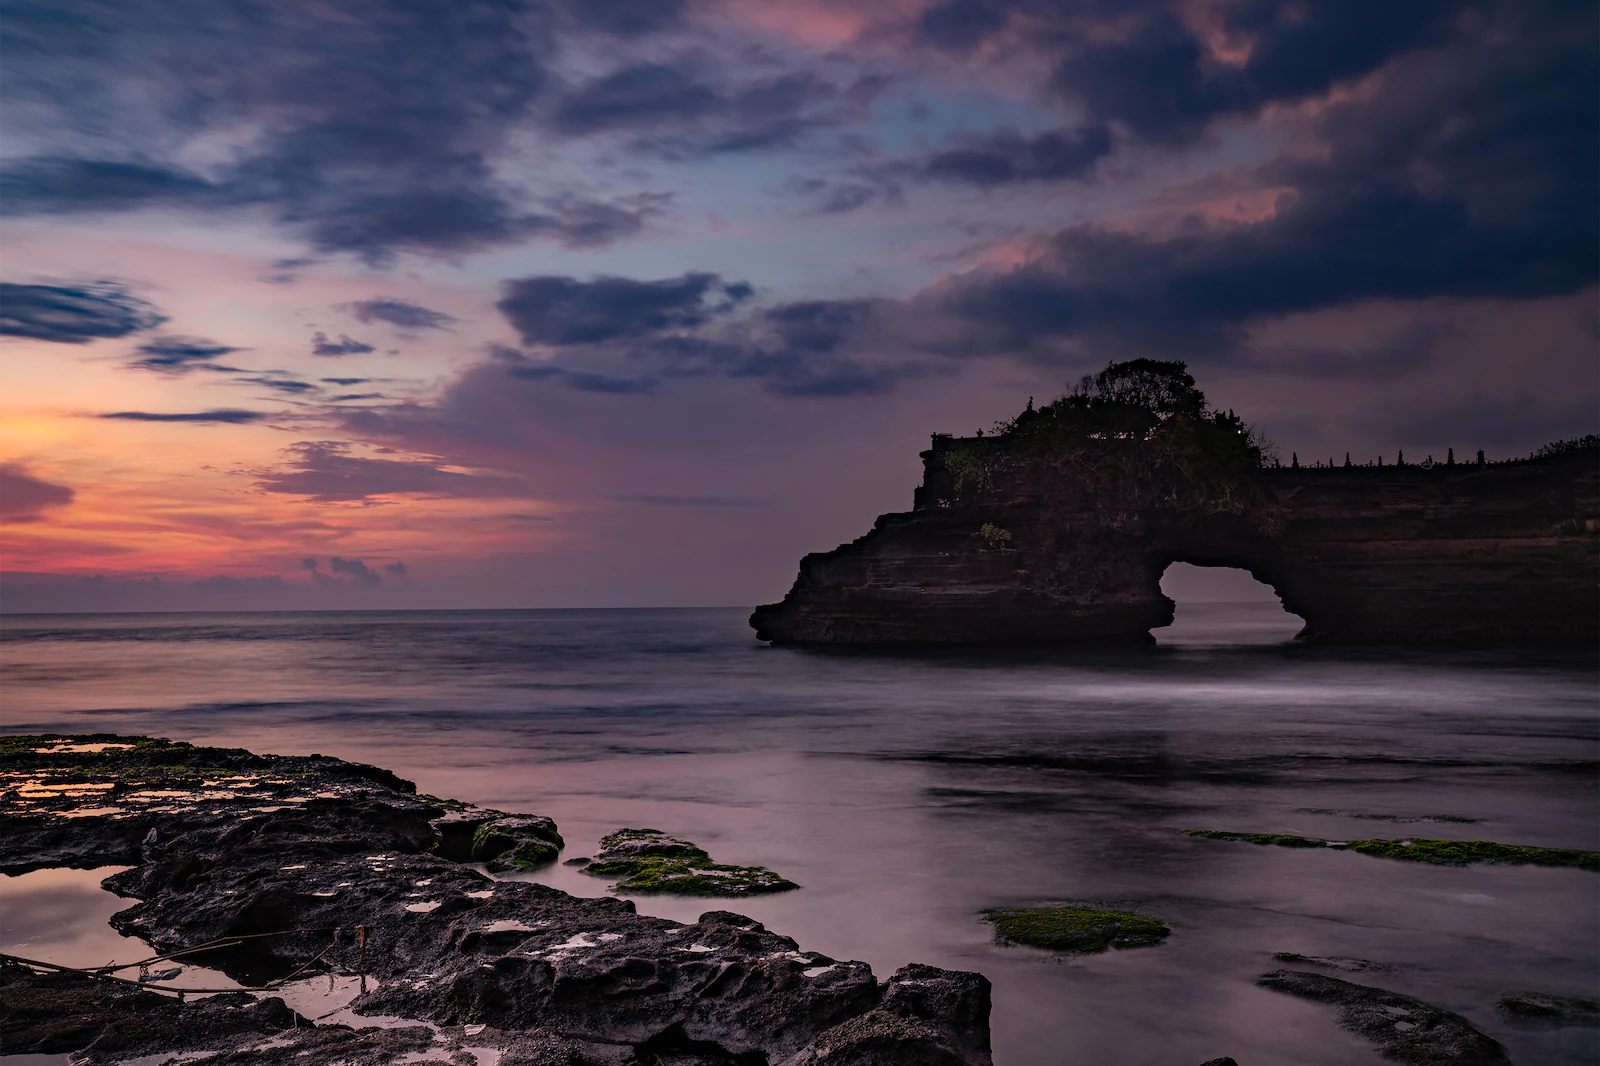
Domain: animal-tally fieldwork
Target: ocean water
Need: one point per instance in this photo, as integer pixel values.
(907, 792)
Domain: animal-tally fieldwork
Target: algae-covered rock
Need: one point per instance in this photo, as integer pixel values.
(1081, 930)
(1467, 852)
(648, 860)
(1405, 1029)
(516, 842)
(1419, 849)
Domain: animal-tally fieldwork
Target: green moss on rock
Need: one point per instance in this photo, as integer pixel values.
(1416, 849)
(1080, 930)
(1466, 852)
(516, 842)
(528, 855)
(650, 861)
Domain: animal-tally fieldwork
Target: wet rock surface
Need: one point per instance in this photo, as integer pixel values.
(1405, 1029)
(1547, 1008)
(1333, 962)
(310, 866)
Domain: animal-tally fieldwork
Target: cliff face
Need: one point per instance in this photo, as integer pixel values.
(1061, 548)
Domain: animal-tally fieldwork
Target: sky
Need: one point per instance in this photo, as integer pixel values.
(349, 304)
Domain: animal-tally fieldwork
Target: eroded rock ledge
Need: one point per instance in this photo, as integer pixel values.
(1062, 537)
(224, 843)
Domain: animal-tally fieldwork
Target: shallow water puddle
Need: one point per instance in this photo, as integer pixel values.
(61, 916)
(90, 748)
(328, 997)
(169, 1058)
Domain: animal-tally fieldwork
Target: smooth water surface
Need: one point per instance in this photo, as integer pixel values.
(908, 792)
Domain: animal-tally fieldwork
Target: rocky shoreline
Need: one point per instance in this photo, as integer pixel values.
(301, 867)
(338, 915)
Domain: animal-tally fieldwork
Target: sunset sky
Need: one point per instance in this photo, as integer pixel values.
(358, 304)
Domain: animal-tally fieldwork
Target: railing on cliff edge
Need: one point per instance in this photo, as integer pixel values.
(1570, 446)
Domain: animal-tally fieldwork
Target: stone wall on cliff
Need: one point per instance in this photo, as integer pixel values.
(1068, 545)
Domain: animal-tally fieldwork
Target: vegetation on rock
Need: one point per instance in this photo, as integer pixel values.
(1587, 443)
(1080, 930)
(516, 842)
(1437, 852)
(649, 861)
(994, 537)
(1135, 400)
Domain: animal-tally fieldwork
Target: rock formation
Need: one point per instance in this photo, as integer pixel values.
(317, 869)
(1405, 1029)
(1058, 528)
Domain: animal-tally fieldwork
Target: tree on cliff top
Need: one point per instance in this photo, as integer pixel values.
(1139, 400)
(1161, 387)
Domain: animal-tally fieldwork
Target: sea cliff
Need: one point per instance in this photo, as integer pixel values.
(1057, 530)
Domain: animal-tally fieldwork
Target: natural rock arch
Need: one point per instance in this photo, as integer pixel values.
(1058, 532)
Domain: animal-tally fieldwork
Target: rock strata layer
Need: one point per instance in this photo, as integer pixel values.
(293, 861)
(1049, 548)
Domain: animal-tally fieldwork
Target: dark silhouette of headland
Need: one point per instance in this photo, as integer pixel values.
(1056, 529)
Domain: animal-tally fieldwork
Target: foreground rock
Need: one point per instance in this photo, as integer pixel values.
(1405, 1029)
(1058, 529)
(346, 868)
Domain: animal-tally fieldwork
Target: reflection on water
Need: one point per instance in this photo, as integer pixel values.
(907, 792)
(60, 916)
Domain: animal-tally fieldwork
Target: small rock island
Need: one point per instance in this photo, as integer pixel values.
(1056, 529)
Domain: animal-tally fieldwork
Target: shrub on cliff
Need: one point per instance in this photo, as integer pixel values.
(1135, 400)
(993, 536)
(1568, 446)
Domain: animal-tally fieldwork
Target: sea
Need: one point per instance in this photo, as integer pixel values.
(908, 792)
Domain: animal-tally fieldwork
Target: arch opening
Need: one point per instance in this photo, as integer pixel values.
(1222, 606)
